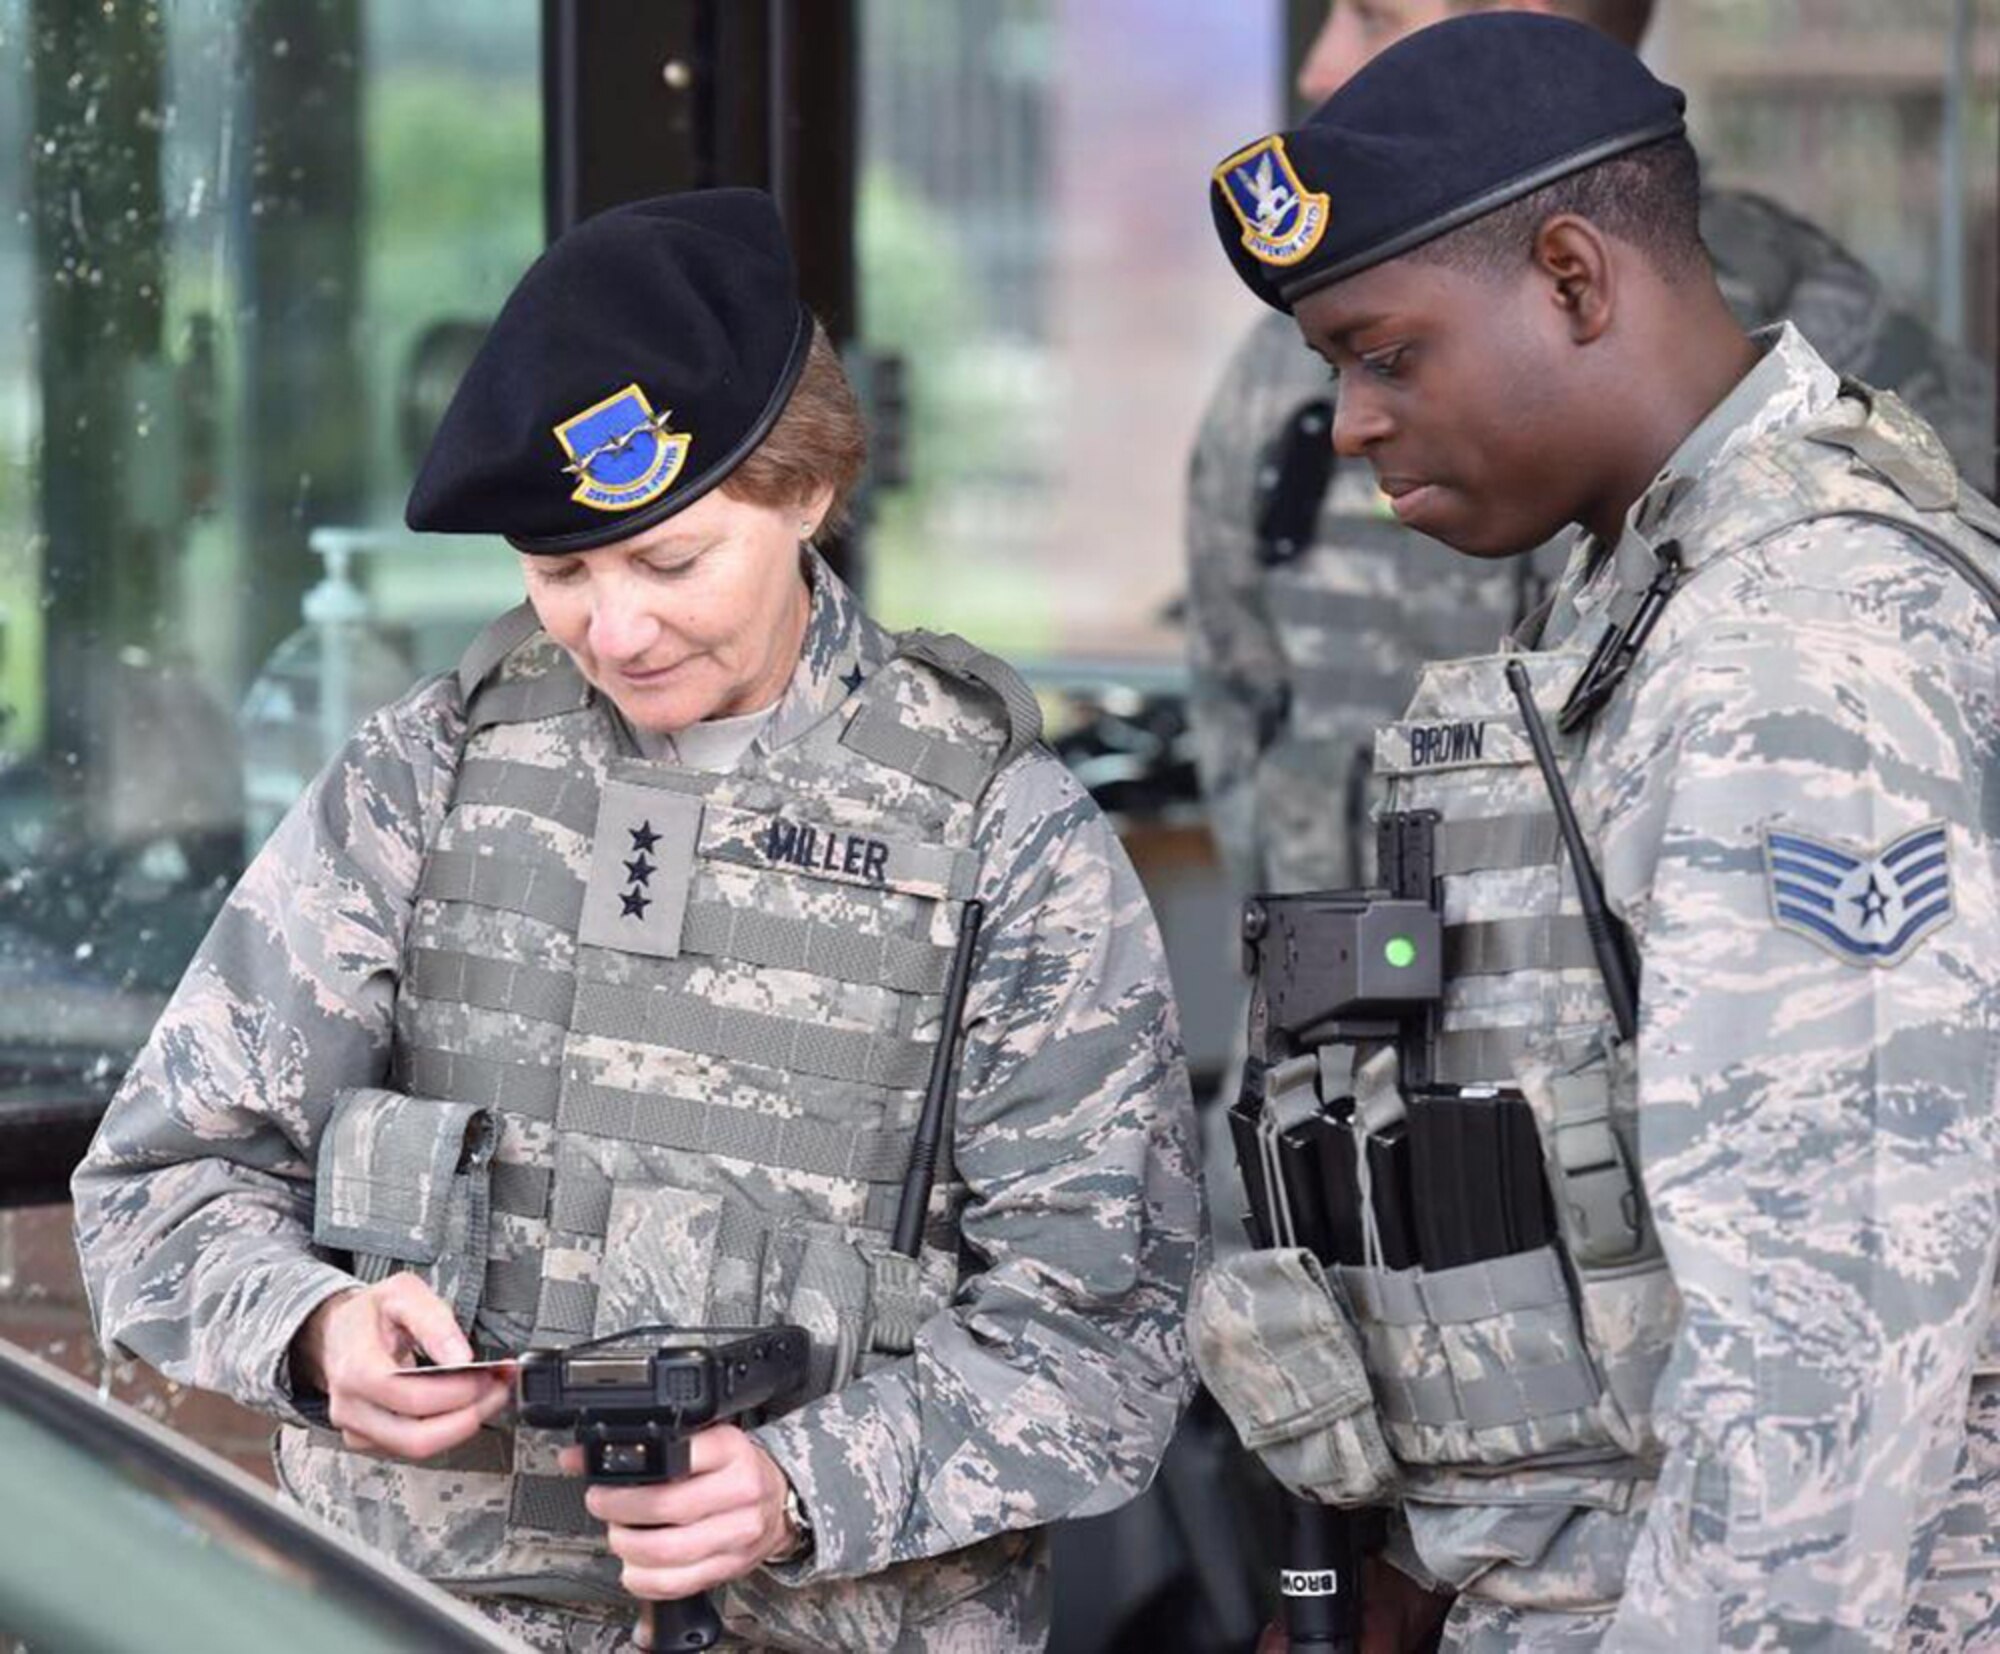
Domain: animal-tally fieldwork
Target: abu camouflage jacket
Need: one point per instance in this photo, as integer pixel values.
(1751, 1402)
(574, 1110)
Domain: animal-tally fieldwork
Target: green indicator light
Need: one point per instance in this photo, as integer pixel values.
(1400, 951)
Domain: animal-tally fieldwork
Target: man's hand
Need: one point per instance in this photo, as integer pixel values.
(1398, 1616)
(358, 1348)
(724, 1518)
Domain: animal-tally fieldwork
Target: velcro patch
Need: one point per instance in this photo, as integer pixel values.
(1421, 745)
(641, 863)
(788, 843)
(1865, 907)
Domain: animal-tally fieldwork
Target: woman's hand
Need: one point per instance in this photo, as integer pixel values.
(359, 1346)
(717, 1523)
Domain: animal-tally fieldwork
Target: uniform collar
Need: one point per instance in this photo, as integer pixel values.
(841, 651)
(1787, 385)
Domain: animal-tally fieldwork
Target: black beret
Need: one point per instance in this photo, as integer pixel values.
(1443, 127)
(636, 364)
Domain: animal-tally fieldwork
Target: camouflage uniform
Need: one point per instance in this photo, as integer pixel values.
(709, 1127)
(1294, 665)
(1755, 1409)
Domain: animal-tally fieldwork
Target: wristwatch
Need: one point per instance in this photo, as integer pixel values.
(802, 1528)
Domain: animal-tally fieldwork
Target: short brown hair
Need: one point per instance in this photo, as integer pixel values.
(818, 442)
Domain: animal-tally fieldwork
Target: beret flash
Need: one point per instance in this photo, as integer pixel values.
(1443, 127)
(638, 361)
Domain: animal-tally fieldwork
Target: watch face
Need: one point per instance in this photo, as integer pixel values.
(795, 1513)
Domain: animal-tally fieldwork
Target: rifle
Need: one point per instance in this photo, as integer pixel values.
(1345, 968)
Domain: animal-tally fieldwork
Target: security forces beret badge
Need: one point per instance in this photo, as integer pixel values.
(621, 453)
(688, 302)
(1282, 220)
(1864, 907)
(1450, 123)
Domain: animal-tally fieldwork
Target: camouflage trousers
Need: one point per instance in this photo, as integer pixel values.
(548, 1629)
(1964, 1620)
(1480, 1627)
(976, 1625)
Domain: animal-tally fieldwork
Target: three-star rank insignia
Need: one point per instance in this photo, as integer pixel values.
(641, 865)
(1282, 220)
(639, 871)
(621, 453)
(1864, 907)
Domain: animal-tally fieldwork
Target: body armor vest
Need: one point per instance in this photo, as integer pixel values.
(1545, 1362)
(1355, 603)
(661, 1044)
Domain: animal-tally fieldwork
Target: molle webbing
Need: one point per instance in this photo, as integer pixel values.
(953, 655)
(566, 1309)
(1504, 1395)
(1500, 947)
(767, 939)
(1496, 844)
(1508, 1396)
(514, 1285)
(706, 1126)
(524, 1089)
(567, 796)
(578, 1222)
(491, 984)
(549, 894)
(519, 1190)
(877, 731)
(679, 1022)
(711, 929)
(524, 700)
(1480, 1056)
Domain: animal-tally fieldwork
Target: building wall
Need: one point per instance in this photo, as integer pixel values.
(42, 1310)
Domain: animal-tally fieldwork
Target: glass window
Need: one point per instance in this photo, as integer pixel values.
(1879, 128)
(1034, 242)
(249, 254)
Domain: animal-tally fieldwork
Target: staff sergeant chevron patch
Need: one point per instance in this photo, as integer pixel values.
(1868, 908)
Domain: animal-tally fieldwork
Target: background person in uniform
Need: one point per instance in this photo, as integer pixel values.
(598, 984)
(1742, 1391)
(1307, 632)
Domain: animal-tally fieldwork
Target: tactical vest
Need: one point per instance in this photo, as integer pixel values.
(1546, 1361)
(1355, 602)
(662, 1039)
